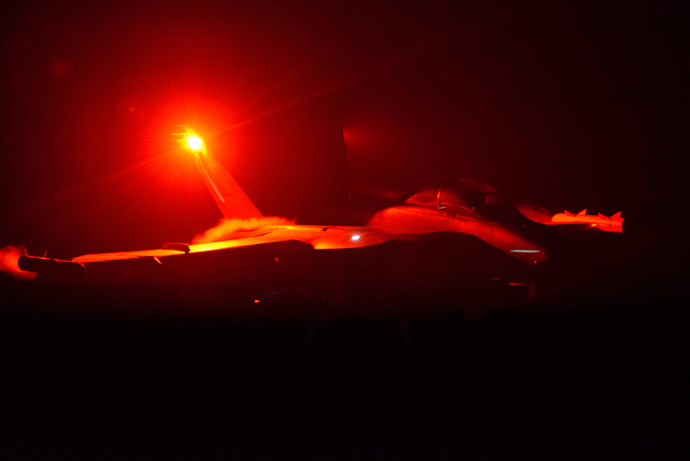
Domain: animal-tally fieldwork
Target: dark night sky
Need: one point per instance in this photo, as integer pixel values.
(560, 104)
(572, 105)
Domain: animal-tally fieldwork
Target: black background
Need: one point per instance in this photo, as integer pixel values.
(562, 105)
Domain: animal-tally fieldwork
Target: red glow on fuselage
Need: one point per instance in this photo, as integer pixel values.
(507, 237)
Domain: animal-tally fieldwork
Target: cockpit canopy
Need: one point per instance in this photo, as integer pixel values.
(466, 197)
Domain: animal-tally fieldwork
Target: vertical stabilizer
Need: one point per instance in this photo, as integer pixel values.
(229, 196)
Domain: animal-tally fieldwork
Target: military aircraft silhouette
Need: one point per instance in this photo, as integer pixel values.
(449, 239)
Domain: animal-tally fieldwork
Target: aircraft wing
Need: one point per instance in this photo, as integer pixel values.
(318, 237)
(114, 266)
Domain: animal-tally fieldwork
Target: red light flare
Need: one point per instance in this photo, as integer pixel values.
(195, 143)
(201, 118)
(150, 147)
(189, 140)
(182, 124)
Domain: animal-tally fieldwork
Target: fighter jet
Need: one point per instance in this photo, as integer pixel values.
(443, 240)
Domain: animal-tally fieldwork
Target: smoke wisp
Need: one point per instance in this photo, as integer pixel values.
(234, 228)
(9, 262)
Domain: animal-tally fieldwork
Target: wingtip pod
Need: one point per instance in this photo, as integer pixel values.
(613, 223)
